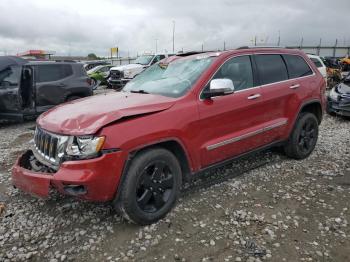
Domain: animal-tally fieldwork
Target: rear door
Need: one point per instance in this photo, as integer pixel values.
(232, 124)
(51, 83)
(280, 86)
(9, 90)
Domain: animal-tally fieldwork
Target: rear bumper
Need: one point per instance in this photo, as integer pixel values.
(338, 108)
(97, 179)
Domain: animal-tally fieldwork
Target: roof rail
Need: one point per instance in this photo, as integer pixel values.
(64, 60)
(194, 53)
(260, 46)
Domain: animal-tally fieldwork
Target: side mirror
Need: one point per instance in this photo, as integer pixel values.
(219, 87)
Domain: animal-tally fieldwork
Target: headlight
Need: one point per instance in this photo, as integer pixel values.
(333, 94)
(84, 146)
(127, 73)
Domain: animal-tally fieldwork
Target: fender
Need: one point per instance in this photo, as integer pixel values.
(132, 152)
(301, 107)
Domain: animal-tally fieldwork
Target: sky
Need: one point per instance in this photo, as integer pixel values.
(80, 27)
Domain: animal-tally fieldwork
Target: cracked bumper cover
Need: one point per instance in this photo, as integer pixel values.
(99, 176)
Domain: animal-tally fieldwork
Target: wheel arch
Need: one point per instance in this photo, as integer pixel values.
(174, 145)
(313, 106)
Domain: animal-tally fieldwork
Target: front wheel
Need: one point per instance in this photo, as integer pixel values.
(150, 188)
(303, 138)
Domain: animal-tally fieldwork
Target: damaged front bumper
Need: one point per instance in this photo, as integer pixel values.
(341, 107)
(118, 83)
(94, 179)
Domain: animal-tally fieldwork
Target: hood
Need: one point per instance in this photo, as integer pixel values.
(127, 67)
(86, 116)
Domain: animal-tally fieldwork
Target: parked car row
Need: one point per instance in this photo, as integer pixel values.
(120, 75)
(29, 88)
(178, 118)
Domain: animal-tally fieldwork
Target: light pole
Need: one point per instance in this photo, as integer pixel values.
(156, 45)
(173, 37)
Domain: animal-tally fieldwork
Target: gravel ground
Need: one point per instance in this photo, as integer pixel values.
(282, 210)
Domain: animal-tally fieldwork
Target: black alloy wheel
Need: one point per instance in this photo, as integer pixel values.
(155, 186)
(150, 187)
(307, 137)
(303, 138)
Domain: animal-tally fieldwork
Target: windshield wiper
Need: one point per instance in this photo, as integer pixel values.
(139, 91)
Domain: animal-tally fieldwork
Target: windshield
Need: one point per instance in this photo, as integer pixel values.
(172, 79)
(95, 69)
(144, 60)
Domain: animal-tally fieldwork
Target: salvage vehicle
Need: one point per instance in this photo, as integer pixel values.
(88, 65)
(319, 64)
(334, 71)
(120, 75)
(180, 117)
(99, 75)
(28, 89)
(345, 63)
(339, 98)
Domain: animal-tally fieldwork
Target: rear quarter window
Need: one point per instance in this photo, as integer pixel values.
(316, 62)
(54, 72)
(271, 68)
(297, 66)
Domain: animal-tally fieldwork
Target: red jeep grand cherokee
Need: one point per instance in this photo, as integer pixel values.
(179, 117)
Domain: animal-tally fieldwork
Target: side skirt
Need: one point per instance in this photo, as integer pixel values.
(235, 158)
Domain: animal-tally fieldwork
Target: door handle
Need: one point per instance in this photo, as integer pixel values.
(294, 86)
(254, 96)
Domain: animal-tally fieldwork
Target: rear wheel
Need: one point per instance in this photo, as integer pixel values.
(303, 138)
(151, 186)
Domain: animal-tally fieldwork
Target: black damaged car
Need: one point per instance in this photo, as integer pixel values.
(339, 98)
(29, 88)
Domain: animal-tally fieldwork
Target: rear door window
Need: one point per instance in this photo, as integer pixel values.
(297, 67)
(271, 68)
(49, 73)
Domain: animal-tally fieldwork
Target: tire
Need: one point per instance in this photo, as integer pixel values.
(304, 136)
(71, 98)
(147, 195)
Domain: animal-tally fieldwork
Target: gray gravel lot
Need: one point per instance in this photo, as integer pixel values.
(284, 210)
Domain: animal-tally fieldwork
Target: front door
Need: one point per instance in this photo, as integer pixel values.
(10, 103)
(232, 124)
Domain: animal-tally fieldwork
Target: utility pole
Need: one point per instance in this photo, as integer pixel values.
(335, 46)
(156, 45)
(224, 46)
(202, 47)
(301, 42)
(279, 38)
(254, 40)
(319, 47)
(173, 37)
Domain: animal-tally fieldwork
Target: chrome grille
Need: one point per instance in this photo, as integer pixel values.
(46, 145)
(116, 74)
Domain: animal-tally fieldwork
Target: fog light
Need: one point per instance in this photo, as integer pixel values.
(75, 190)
